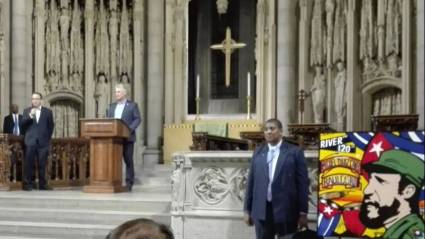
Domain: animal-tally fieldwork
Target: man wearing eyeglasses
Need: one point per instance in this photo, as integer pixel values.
(38, 124)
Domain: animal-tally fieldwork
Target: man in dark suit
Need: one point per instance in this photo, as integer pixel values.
(11, 122)
(277, 189)
(128, 112)
(37, 122)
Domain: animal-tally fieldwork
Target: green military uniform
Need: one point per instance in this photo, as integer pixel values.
(412, 167)
(410, 227)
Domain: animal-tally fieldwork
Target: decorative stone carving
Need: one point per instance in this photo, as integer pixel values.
(340, 32)
(367, 48)
(66, 115)
(211, 185)
(113, 34)
(317, 41)
(340, 95)
(318, 95)
(330, 9)
(64, 21)
(238, 183)
(393, 27)
(52, 49)
(176, 181)
(387, 102)
(102, 95)
(222, 6)
(125, 61)
(102, 43)
(77, 51)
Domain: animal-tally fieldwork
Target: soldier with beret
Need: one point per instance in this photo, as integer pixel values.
(391, 197)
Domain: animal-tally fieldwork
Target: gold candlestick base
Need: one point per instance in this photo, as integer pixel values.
(198, 100)
(248, 107)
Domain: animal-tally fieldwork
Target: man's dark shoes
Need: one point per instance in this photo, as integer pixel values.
(129, 187)
(45, 188)
(27, 188)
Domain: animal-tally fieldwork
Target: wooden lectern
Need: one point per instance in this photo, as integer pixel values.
(106, 137)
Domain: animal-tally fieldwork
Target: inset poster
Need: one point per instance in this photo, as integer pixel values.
(371, 184)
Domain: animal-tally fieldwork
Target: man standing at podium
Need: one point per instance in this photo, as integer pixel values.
(128, 112)
(37, 122)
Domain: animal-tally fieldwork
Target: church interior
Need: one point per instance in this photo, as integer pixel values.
(206, 75)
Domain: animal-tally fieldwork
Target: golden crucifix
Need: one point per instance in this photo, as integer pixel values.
(227, 46)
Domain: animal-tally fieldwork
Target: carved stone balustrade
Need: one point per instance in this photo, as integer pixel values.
(67, 165)
(208, 192)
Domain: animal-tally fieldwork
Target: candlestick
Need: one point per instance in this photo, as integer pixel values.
(197, 99)
(248, 107)
(197, 86)
(249, 84)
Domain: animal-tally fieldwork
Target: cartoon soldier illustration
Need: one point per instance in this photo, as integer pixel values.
(392, 194)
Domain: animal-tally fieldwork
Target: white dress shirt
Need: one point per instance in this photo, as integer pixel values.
(16, 122)
(119, 109)
(276, 156)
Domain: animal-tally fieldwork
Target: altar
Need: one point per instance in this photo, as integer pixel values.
(208, 192)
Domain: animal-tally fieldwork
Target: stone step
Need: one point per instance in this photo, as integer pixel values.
(158, 170)
(156, 181)
(53, 230)
(160, 188)
(137, 201)
(78, 216)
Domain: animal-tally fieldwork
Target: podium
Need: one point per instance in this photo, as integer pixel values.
(106, 152)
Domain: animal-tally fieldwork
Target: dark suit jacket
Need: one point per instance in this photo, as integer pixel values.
(41, 131)
(289, 186)
(8, 124)
(130, 116)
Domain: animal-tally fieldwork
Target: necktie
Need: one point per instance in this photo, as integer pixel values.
(270, 157)
(15, 126)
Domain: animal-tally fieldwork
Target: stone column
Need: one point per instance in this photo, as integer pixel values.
(420, 63)
(353, 109)
(286, 99)
(21, 52)
(155, 75)
(39, 26)
(303, 57)
(4, 59)
(90, 109)
(139, 86)
(406, 75)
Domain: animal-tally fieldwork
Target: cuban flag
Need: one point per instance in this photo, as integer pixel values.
(329, 216)
(409, 141)
(360, 139)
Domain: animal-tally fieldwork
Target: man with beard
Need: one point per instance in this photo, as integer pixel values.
(392, 194)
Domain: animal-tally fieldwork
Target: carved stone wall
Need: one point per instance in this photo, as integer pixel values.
(82, 49)
(363, 47)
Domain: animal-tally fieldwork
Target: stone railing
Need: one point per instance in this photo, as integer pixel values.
(67, 166)
(208, 192)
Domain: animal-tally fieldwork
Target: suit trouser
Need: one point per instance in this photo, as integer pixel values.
(128, 149)
(41, 153)
(268, 229)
